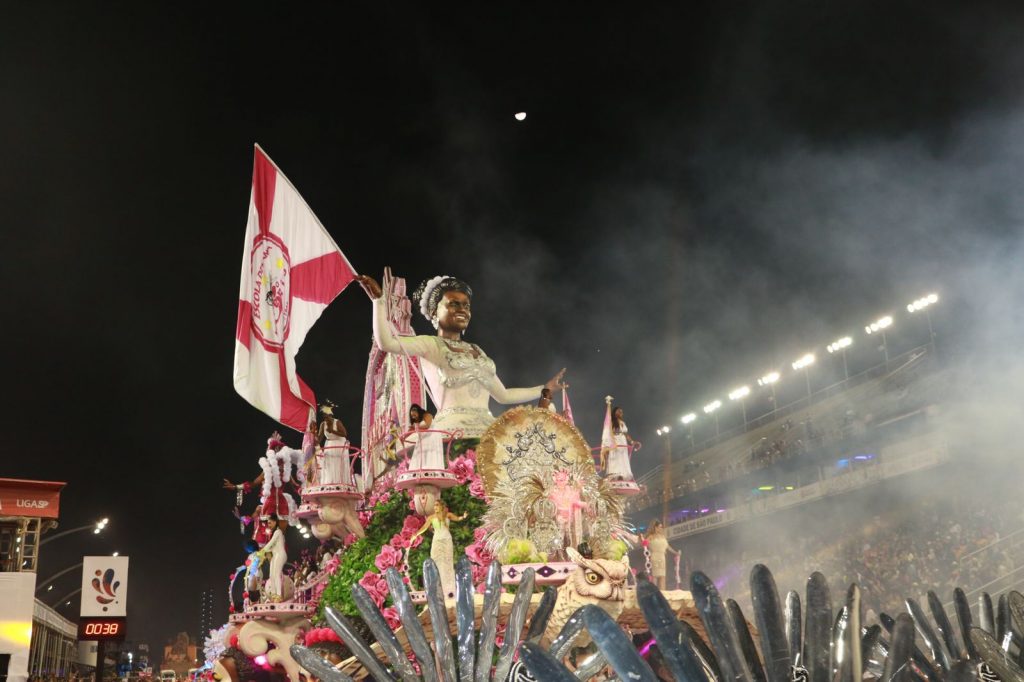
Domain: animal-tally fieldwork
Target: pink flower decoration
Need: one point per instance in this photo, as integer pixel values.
(476, 488)
(479, 574)
(463, 468)
(391, 616)
(364, 518)
(412, 523)
(389, 557)
(376, 587)
(470, 454)
(479, 554)
(480, 533)
(350, 539)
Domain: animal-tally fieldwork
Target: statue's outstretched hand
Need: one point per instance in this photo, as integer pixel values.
(370, 286)
(556, 381)
(228, 485)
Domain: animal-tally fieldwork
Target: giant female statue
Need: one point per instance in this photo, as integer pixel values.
(459, 374)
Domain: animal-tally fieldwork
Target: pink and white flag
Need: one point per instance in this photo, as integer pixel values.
(291, 271)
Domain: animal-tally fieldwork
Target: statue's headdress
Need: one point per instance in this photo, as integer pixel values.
(429, 294)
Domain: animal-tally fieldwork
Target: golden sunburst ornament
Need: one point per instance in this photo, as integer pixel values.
(542, 486)
(526, 440)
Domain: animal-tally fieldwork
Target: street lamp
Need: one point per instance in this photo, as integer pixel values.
(57, 575)
(803, 363)
(840, 346)
(712, 408)
(924, 303)
(878, 327)
(740, 394)
(96, 528)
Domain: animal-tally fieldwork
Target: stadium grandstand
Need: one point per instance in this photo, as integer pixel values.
(863, 479)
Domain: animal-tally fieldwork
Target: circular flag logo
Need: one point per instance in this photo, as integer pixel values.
(271, 297)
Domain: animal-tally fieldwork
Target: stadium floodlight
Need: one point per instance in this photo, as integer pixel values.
(879, 324)
(712, 406)
(840, 344)
(804, 362)
(688, 418)
(739, 393)
(922, 303)
(768, 379)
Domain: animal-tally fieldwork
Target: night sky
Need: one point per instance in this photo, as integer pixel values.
(700, 193)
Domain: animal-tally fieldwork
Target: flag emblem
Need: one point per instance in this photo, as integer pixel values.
(271, 295)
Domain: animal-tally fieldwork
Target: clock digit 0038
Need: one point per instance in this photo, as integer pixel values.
(96, 629)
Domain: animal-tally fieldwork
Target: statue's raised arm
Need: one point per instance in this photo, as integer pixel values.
(459, 374)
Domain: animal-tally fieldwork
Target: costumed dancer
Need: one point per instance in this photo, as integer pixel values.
(336, 467)
(616, 444)
(310, 443)
(442, 547)
(459, 374)
(278, 554)
(277, 466)
(428, 451)
(658, 546)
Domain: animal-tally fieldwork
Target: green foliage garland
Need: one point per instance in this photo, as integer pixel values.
(387, 521)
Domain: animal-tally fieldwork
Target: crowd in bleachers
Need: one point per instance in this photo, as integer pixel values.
(849, 415)
(891, 557)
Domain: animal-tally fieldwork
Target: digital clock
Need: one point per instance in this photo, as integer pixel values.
(96, 629)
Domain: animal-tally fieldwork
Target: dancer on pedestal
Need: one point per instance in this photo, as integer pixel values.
(428, 449)
(460, 375)
(336, 467)
(657, 545)
(276, 550)
(545, 402)
(442, 547)
(616, 444)
(310, 444)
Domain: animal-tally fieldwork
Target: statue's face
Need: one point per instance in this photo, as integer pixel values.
(453, 312)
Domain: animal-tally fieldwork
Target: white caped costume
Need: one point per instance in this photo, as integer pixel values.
(618, 456)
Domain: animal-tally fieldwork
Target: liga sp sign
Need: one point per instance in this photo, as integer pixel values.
(30, 498)
(104, 586)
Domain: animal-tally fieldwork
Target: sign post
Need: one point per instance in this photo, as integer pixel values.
(104, 610)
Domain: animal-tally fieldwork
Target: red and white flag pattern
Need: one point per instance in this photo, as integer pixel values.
(291, 271)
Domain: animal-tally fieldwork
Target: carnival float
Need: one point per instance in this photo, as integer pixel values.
(459, 546)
